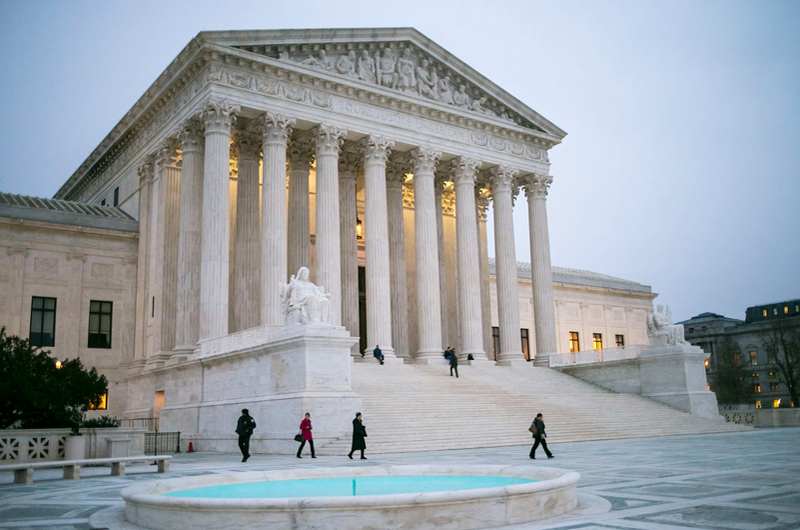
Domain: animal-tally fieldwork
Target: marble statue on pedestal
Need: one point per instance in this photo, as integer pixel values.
(662, 332)
(303, 302)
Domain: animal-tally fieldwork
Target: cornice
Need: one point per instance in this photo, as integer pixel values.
(59, 229)
(189, 73)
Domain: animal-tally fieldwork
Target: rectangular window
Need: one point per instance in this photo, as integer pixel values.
(773, 387)
(758, 404)
(597, 341)
(774, 310)
(43, 321)
(753, 358)
(495, 342)
(574, 342)
(786, 310)
(736, 359)
(764, 313)
(100, 314)
(525, 343)
(103, 202)
(772, 375)
(755, 377)
(103, 403)
(771, 356)
(620, 339)
(116, 196)
(757, 389)
(776, 403)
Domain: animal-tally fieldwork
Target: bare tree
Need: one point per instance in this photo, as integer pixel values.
(781, 338)
(730, 382)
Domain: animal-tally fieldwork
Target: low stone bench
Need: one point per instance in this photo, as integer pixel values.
(23, 473)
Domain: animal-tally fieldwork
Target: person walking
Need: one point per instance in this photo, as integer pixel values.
(305, 428)
(359, 433)
(377, 353)
(453, 363)
(537, 428)
(244, 428)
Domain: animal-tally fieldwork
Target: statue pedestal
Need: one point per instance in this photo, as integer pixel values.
(676, 376)
(296, 370)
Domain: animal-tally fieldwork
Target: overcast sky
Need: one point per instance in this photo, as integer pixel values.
(679, 171)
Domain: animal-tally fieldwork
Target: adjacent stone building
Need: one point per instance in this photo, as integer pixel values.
(707, 330)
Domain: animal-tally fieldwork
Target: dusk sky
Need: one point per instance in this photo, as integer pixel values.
(681, 168)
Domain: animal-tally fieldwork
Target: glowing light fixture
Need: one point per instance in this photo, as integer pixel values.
(58, 365)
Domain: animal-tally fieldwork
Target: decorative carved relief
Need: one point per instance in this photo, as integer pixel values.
(327, 139)
(102, 270)
(423, 160)
(537, 185)
(375, 149)
(276, 128)
(45, 265)
(219, 116)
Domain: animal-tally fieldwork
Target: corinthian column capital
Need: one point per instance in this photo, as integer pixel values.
(349, 163)
(537, 185)
(375, 149)
(300, 155)
(219, 116)
(146, 170)
(465, 170)
(248, 144)
(167, 154)
(502, 178)
(395, 173)
(327, 139)
(190, 135)
(423, 159)
(275, 128)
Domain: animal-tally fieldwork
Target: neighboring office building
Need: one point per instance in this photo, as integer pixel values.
(707, 330)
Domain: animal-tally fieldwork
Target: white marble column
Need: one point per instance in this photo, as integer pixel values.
(395, 176)
(276, 129)
(469, 288)
(187, 325)
(376, 150)
(439, 179)
(502, 182)
(536, 186)
(300, 155)
(348, 173)
(145, 172)
(218, 117)
(247, 273)
(327, 143)
(482, 202)
(168, 179)
(423, 162)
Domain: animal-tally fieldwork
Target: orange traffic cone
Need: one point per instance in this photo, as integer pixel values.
(191, 447)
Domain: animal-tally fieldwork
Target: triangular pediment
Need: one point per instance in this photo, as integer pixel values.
(399, 60)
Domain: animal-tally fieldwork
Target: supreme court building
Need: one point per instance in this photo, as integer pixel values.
(368, 155)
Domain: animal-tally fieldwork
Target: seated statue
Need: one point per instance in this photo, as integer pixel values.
(662, 332)
(303, 302)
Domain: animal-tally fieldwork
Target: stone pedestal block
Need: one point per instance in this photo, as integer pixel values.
(118, 447)
(676, 376)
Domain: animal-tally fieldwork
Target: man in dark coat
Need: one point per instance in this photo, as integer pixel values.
(359, 433)
(377, 353)
(540, 436)
(244, 428)
(453, 363)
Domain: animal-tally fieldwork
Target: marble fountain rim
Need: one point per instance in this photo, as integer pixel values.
(549, 479)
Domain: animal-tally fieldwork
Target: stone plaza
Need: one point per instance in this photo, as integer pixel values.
(736, 481)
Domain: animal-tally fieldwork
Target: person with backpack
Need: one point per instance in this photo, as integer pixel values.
(537, 428)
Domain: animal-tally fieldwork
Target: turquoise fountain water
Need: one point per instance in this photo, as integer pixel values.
(347, 487)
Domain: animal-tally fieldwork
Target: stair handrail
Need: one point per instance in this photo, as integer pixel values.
(618, 353)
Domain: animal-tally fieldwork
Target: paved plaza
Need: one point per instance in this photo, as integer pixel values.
(740, 481)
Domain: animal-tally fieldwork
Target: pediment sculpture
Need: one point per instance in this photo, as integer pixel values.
(662, 332)
(303, 302)
(407, 72)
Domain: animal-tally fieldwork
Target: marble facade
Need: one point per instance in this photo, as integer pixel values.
(255, 153)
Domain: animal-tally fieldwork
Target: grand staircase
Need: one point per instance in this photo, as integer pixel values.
(421, 408)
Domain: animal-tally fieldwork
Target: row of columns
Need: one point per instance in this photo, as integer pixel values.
(203, 236)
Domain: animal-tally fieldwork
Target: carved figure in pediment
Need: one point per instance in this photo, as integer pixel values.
(387, 76)
(346, 64)
(477, 106)
(444, 91)
(366, 68)
(322, 62)
(406, 79)
(426, 81)
(283, 55)
(461, 98)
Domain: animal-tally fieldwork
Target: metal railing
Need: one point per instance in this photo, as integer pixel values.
(162, 442)
(597, 356)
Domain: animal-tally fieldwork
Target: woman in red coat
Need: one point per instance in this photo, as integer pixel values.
(305, 428)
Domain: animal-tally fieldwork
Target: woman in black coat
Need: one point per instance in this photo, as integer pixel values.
(359, 433)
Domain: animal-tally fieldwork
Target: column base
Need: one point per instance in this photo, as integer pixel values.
(432, 361)
(542, 360)
(522, 363)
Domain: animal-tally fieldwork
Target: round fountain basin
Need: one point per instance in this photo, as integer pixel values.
(401, 497)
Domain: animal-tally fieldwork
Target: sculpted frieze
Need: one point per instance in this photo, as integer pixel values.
(397, 66)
